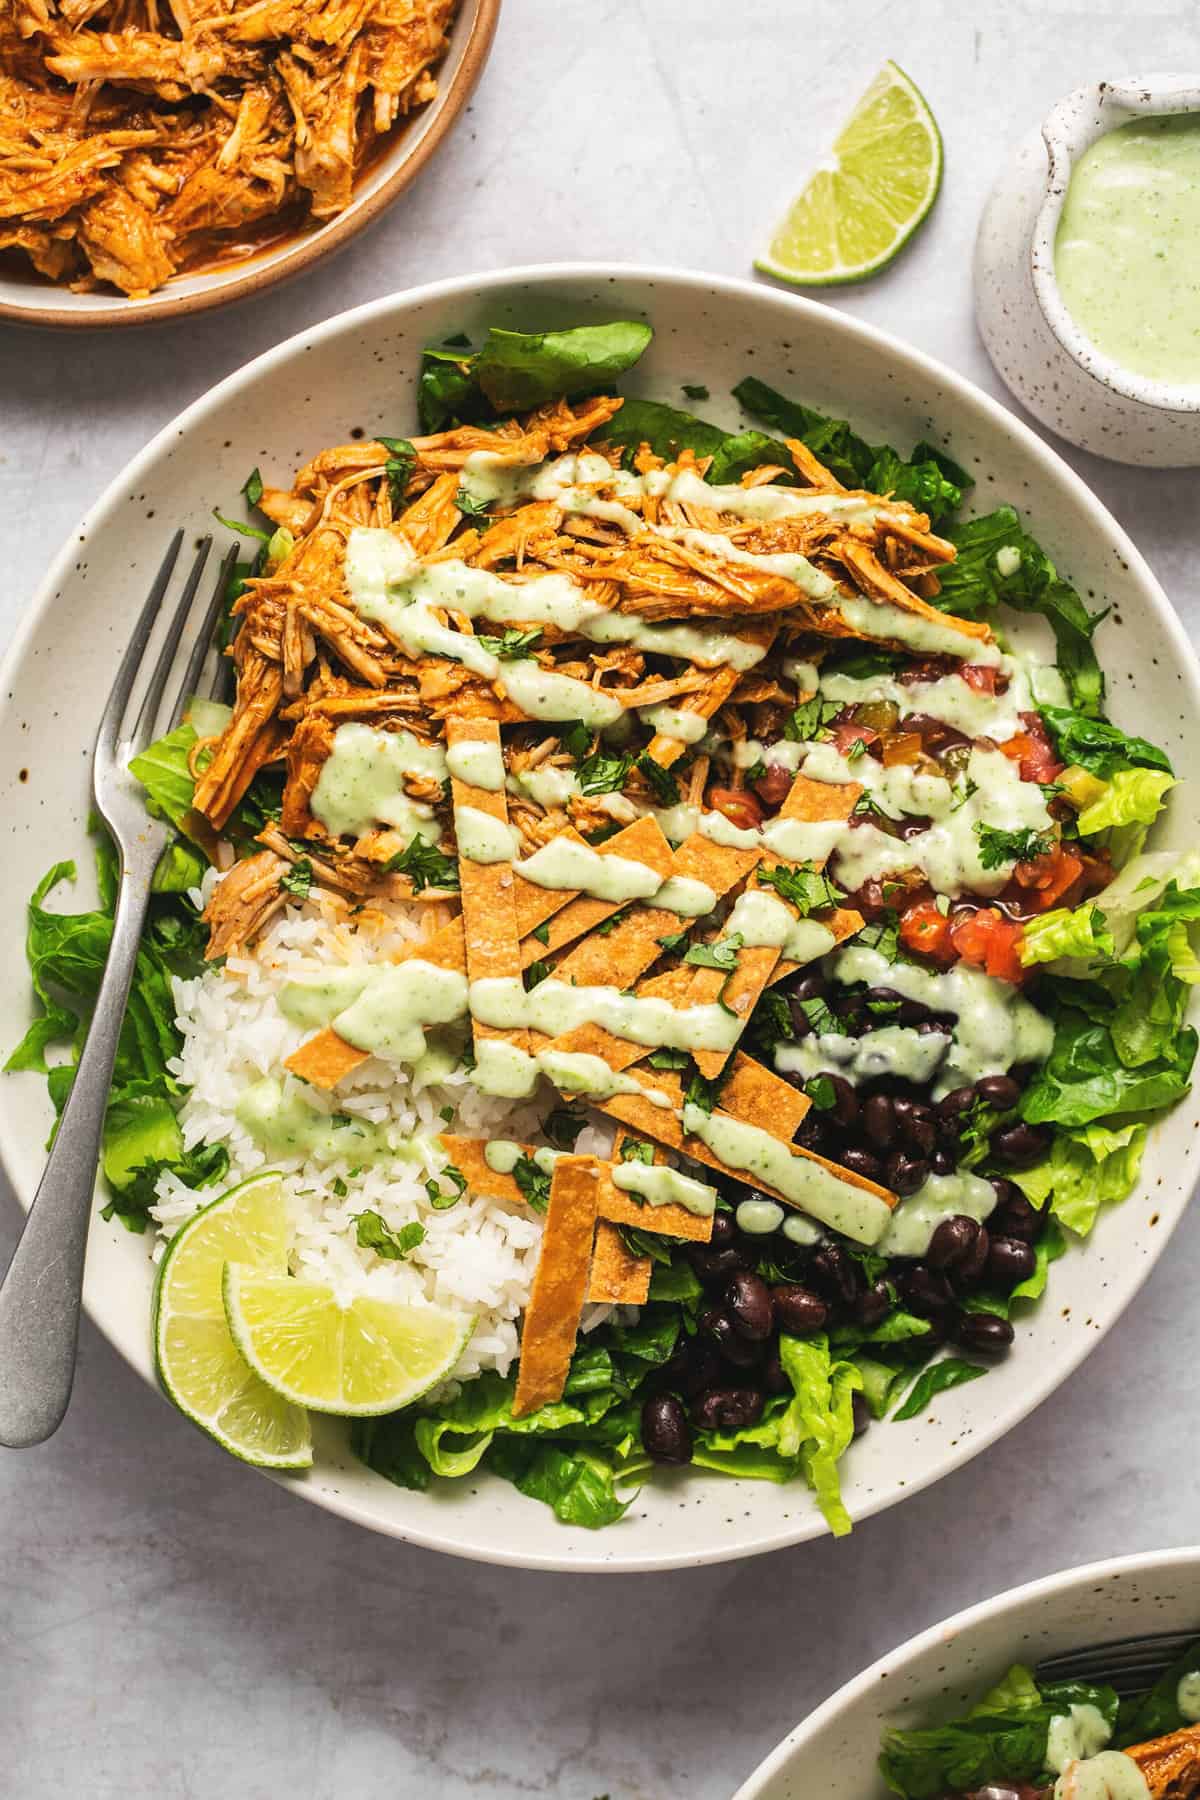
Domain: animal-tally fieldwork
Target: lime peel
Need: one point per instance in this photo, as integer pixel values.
(860, 208)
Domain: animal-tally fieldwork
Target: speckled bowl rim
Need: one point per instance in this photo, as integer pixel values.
(674, 286)
(1015, 1601)
(1134, 99)
(267, 268)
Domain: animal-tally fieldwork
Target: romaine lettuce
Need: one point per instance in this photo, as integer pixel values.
(515, 371)
(1087, 1168)
(1131, 802)
(1098, 746)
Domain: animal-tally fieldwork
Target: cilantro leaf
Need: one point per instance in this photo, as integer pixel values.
(252, 487)
(298, 879)
(637, 1150)
(819, 1016)
(424, 865)
(440, 1198)
(664, 784)
(722, 955)
(575, 738)
(562, 1127)
(668, 1059)
(542, 932)
(997, 846)
(695, 390)
(393, 1246)
(535, 974)
(821, 1092)
(601, 774)
(805, 886)
(402, 460)
(810, 719)
(513, 644)
(533, 1182)
(471, 508)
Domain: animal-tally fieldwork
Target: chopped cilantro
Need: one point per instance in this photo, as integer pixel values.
(819, 1016)
(562, 1127)
(575, 739)
(298, 879)
(702, 1093)
(810, 719)
(821, 1092)
(339, 1187)
(446, 1115)
(471, 508)
(612, 921)
(542, 932)
(771, 1022)
(252, 487)
(402, 459)
(858, 748)
(637, 1150)
(722, 955)
(533, 1182)
(393, 1246)
(668, 1059)
(424, 865)
(882, 935)
(695, 390)
(646, 1243)
(600, 774)
(664, 784)
(962, 792)
(439, 1198)
(805, 886)
(535, 974)
(513, 644)
(997, 846)
(674, 940)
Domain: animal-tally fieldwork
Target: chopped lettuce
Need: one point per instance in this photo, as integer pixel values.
(1086, 1169)
(1003, 1739)
(998, 563)
(1098, 746)
(1086, 1079)
(1079, 933)
(515, 371)
(1131, 802)
(950, 1372)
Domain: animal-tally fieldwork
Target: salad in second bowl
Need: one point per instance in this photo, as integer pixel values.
(1034, 1739)
(667, 974)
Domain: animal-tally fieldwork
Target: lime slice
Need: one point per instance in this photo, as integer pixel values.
(367, 1356)
(858, 211)
(198, 1364)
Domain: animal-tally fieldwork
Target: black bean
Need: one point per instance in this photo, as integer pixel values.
(967, 1273)
(1016, 1218)
(1009, 1262)
(727, 1408)
(1000, 1091)
(926, 1292)
(814, 1134)
(845, 1100)
(852, 1013)
(666, 1435)
(715, 1267)
(952, 1240)
(810, 986)
(984, 1333)
(1020, 1146)
(702, 1368)
(860, 1412)
(862, 1163)
(748, 1303)
(920, 1133)
(834, 1274)
(958, 1100)
(872, 1306)
(798, 1311)
(724, 1230)
(913, 1013)
(879, 1120)
(717, 1325)
(905, 1174)
(775, 1378)
(942, 1163)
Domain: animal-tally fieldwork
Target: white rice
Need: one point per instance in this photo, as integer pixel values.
(477, 1256)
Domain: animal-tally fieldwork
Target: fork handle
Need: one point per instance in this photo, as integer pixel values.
(40, 1294)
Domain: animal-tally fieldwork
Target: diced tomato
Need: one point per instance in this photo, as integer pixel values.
(1032, 750)
(1097, 872)
(902, 747)
(926, 932)
(773, 787)
(739, 806)
(846, 735)
(1049, 876)
(980, 676)
(989, 941)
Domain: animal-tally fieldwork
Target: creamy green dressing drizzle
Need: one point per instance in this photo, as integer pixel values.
(483, 839)
(477, 763)
(674, 722)
(758, 1218)
(361, 783)
(807, 1184)
(788, 563)
(660, 1185)
(759, 918)
(1125, 250)
(996, 1026)
(952, 701)
(555, 1008)
(915, 1219)
(880, 619)
(382, 1008)
(502, 1156)
(283, 1124)
(549, 785)
(893, 1050)
(564, 864)
(684, 895)
(1187, 1695)
(1110, 1776)
(1080, 1732)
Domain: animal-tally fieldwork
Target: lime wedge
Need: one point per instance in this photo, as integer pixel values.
(367, 1356)
(859, 210)
(198, 1364)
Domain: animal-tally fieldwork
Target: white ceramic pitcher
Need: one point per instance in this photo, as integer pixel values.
(1037, 347)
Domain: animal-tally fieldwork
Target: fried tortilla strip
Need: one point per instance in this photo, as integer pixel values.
(742, 987)
(843, 922)
(560, 1283)
(327, 1059)
(663, 1126)
(618, 1277)
(1170, 1765)
(641, 842)
(668, 1220)
(468, 1156)
(489, 911)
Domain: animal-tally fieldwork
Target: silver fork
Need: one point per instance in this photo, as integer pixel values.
(1129, 1665)
(40, 1295)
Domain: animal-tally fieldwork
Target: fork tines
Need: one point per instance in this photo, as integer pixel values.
(1129, 1664)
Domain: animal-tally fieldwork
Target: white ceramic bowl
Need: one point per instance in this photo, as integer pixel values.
(938, 1675)
(26, 299)
(357, 371)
